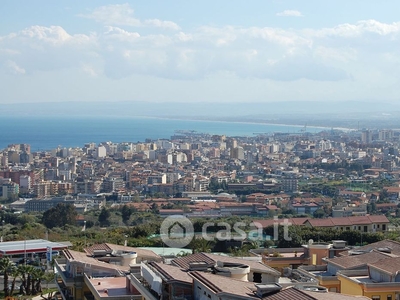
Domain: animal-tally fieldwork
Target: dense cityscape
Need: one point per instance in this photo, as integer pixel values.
(338, 191)
(199, 150)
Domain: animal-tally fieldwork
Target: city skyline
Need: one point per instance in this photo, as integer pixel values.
(264, 51)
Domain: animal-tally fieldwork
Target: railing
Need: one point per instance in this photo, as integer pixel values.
(141, 288)
(66, 277)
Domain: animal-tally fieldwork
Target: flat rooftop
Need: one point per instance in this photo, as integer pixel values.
(28, 246)
(112, 287)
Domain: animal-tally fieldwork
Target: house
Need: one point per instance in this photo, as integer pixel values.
(350, 194)
(209, 286)
(247, 270)
(311, 253)
(101, 271)
(304, 207)
(166, 281)
(350, 260)
(393, 192)
(379, 280)
(370, 223)
(214, 287)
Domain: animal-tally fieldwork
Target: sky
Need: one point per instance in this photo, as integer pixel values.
(199, 51)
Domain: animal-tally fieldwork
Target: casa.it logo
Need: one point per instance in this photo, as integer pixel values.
(176, 231)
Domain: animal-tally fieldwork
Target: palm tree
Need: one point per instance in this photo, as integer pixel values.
(29, 279)
(5, 266)
(15, 273)
(37, 276)
(24, 275)
(200, 245)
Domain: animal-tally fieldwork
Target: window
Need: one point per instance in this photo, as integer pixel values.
(376, 298)
(383, 226)
(389, 297)
(257, 277)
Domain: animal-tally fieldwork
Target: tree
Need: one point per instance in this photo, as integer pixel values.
(5, 267)
(37, 277)
(60, 216)
(200, 245)
(126, 212)
(15, 273)
(104, 217)
(154, 208)
(319, 213)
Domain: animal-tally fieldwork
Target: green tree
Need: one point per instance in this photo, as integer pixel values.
(14, 273)
(200, 245)
(126, 212)
(59, 216)
(104, 217)
(37, 277)
(6, 266)
(319, 213)
(154, 208)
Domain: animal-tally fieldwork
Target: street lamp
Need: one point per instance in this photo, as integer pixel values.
(2, 230)
(24, 250)
(84, 226)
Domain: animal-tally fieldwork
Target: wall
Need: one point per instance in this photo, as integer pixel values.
(349, 287)
(199, 290)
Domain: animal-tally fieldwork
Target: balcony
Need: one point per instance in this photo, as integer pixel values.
(64, 275)
(145, 292)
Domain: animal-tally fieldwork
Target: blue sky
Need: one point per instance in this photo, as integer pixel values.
(199, 51)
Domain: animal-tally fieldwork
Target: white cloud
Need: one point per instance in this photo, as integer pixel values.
(122, 15)
(360, 28)
(118, 33)
(276, 54)
(289, 13)
(116, 14)
(162, 24)
(40, 48)
(88, 69)
(13, 68)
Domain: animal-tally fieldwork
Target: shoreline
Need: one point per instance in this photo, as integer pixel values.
(186, 119)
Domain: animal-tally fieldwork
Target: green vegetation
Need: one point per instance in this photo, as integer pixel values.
(31, 278)
(300, 235)
(59, 216)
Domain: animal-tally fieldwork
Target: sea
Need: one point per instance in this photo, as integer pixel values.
(47, 133)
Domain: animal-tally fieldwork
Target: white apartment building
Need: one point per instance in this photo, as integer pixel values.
(101, 152)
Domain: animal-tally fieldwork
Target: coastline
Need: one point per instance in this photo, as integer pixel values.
(48, 132)
(186, 119)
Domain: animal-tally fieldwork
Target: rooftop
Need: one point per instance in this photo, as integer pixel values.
(355, 261)
(29, 246)
(209, 258)
(113, 247)
(111, 287)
